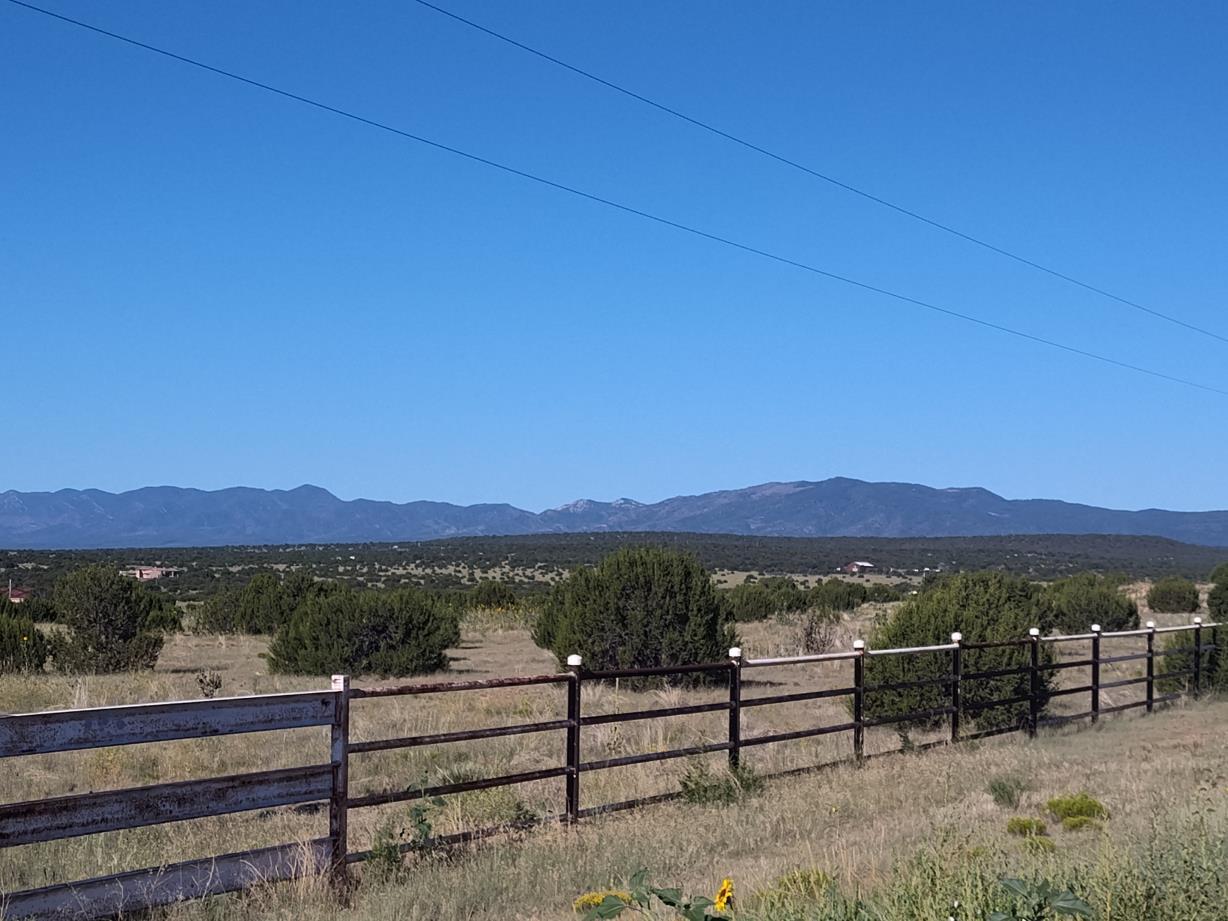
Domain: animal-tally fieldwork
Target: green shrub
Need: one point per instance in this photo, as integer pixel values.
(402, 632)
(22, 647)
(701, 787)
(765, 598)
(261, 606)
(792, 893)
(1077, 805)
(1173, 596)
(1217, 602)
(1072, 605)
(107, 616)
(984, 607)
(1006, 789)
(1219, 575)
(838, 595)
(639, 607)
(1178, 649)
(1025, 827)
(490, 593)
(1077, 822)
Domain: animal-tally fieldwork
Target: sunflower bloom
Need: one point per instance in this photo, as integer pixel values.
(724, 895)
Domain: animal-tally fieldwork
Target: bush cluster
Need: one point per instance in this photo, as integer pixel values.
(1072, 605)
(262, 605)
(490, 593)
(983, 606)
(1173, 596)
(366, 632)
(112, 622)
(639, 607)
(22, 647)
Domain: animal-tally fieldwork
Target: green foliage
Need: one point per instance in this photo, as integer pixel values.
(1217, 602)
(984, 607)
(1219, 575)
(489, 593)
(1040, 900)
(403, 632)
(1173, 596)
(392, 839)
(765, 598)
(37, 608)
(701, 787)
(840, 595)
(108, 619)
(262, 605)
(1006, 789)
(1077, 822)
(1072, 605)
(1178, 656)
(1025, 827)
(589, 900)
(639, 607)
(22, 647)
(639, 898)
(1077, 805)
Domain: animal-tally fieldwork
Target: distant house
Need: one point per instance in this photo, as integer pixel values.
(149, 573)
(16, 595)
(857, 566)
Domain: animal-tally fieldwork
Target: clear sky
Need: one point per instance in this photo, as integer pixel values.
(205, 285)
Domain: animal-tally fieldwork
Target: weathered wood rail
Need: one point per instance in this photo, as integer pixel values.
(327, 781)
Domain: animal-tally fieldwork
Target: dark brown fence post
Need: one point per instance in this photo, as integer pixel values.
(957, 671)
(735, 707)
(1151, 665)
(574, 666)
(1095, 673)
(338, 802)
(859, 699)
(1034, 682)
(1197, 655)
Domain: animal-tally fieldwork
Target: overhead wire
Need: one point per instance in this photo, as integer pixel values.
(610, 203)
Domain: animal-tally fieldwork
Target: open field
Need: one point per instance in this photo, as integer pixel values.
(490, 649)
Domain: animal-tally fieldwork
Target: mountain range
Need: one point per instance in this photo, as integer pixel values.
(169, 516)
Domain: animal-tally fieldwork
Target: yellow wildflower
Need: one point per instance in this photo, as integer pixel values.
(590, 900)
(724, 895)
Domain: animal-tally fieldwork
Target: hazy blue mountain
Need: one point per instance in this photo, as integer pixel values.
(170, 516)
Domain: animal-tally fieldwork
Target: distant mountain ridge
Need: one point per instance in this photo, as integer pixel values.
(169, 516)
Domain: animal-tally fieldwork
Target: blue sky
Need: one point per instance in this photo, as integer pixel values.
(206, 285)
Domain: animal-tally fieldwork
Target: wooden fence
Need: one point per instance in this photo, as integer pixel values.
(327, 780)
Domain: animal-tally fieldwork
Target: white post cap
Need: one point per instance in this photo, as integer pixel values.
(957, 637)
(1033, 632)
(859, 645)
(1197, 620)
(1095, 628)
(574, 661)
(735, 652)
(1151, 625)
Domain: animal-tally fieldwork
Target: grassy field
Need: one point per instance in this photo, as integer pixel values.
(853, 825)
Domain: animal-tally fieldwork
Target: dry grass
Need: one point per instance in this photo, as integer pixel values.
(851, 823)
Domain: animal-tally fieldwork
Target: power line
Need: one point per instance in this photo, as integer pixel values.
(627, 209)
(787, 161)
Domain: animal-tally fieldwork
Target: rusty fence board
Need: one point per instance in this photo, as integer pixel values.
(128, 892)
(72, 730)
(91, 813)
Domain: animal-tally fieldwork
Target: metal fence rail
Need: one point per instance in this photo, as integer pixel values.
(91, 813)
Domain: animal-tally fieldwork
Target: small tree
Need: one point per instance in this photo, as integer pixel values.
(108, 618)
(838, 595)
(1173, 596)
(1072, 605)
(1219, 575)
(261, 606)
(22, 647)
(640, 607)
(985, 607)
(402, 632)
